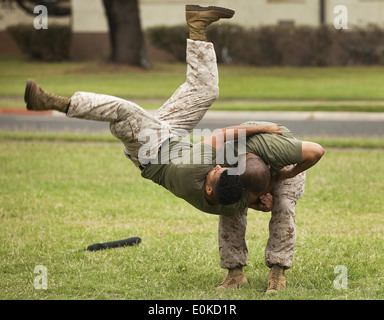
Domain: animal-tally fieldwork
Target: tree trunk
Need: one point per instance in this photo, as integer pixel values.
(127, 40)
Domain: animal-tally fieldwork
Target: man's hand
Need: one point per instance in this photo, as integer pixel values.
(266, 201)
(263, 203)
(272, 128)
(284, 173)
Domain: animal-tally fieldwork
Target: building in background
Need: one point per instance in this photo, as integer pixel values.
(90, 39)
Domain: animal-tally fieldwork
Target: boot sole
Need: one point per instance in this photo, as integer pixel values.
(27, 91)
(191, 7)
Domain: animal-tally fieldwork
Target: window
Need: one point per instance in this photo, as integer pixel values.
(286, 23)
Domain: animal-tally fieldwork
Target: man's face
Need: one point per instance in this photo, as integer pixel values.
(214, 175)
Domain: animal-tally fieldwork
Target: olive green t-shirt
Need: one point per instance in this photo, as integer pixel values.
(276, 150)
(185, 173)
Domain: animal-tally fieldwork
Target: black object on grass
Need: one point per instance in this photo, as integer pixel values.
(114, 244)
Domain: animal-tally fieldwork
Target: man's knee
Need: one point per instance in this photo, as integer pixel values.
(212, 93)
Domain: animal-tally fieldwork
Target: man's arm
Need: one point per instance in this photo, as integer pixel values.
(220, 136)
(311, 154)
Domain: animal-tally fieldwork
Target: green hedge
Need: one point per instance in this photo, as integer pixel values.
(52, 44)
(282, 45)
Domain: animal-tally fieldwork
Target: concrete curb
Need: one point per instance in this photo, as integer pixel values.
(251, 115)
(24, 112)
(286, 115)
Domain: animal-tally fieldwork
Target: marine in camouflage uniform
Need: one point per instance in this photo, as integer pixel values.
(282, 229)
(176, 118)
(278, 152)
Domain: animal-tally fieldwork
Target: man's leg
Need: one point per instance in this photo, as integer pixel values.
(282, 230)
(126, 118)
(184, 110)
(180, 114)
(233, 249)
(39, 100)
(187, 106)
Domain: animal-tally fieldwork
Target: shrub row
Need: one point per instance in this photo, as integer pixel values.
(52, 44)
(281, 45)
(264, 46)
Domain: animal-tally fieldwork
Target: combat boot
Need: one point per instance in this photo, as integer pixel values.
(199, 18)
(276, 279)
(38, 100)
(235, 279)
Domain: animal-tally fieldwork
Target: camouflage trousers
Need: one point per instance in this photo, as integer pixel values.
(282, 229)
(142, 132)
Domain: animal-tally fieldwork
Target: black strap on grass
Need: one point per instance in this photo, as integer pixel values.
(114, 244)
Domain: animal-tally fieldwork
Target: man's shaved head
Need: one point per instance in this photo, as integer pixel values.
(257, 174)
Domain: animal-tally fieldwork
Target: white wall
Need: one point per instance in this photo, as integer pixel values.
(262, 12)
(14, 15)
(360, 12)
(88, 15)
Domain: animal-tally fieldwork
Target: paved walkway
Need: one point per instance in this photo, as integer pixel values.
(303, 124)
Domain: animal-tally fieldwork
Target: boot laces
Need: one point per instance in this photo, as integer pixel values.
(276, 277)
(55, 99)
(230, 277)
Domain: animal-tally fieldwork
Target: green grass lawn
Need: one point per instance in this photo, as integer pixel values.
(345, 143)
(57, 198)
(241, 87)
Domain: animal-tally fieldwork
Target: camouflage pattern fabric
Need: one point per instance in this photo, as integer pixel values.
(141, 132)
(282, 228)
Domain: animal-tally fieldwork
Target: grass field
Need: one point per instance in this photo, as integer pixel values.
(344, 143)
(57, 198)
(63, 192)
(241, 87)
